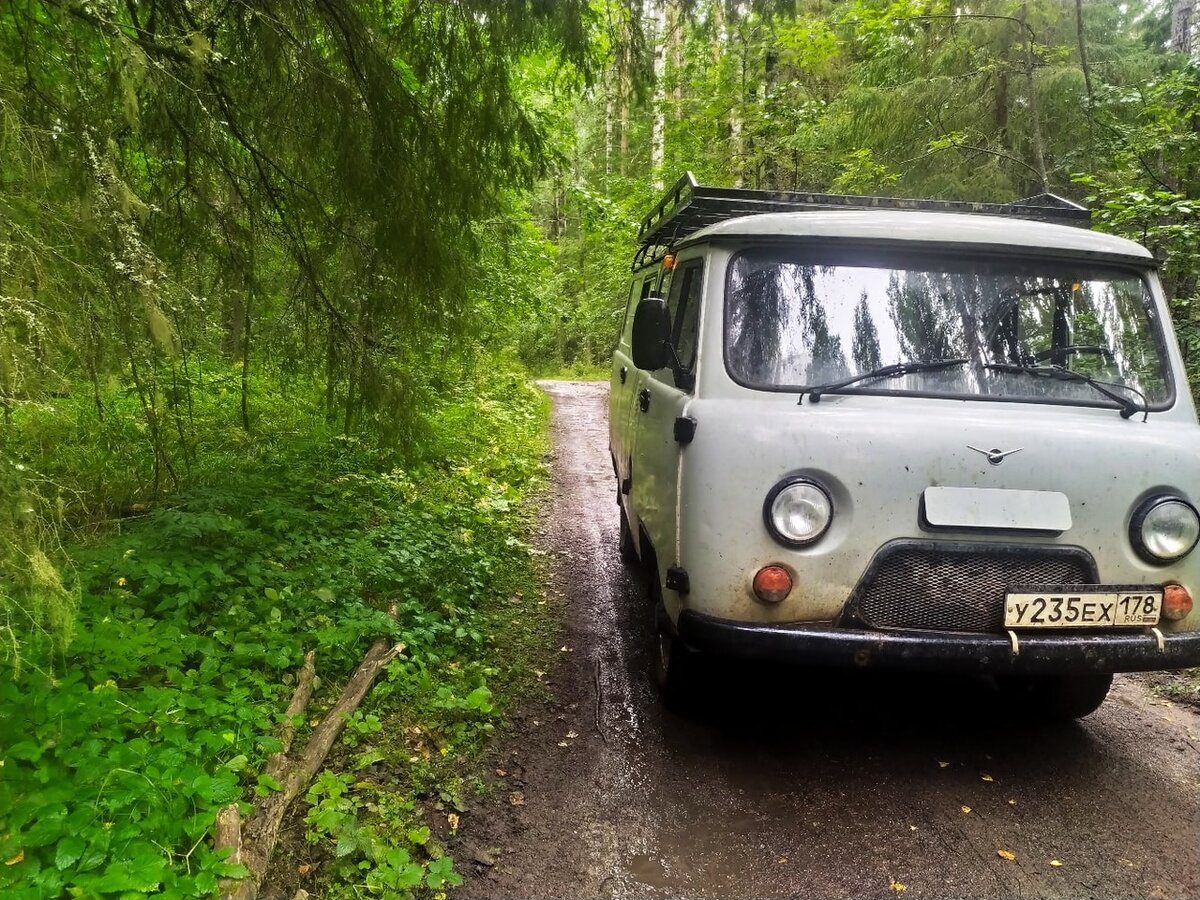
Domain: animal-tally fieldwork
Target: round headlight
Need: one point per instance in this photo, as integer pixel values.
(797, 512)
(1165, 529)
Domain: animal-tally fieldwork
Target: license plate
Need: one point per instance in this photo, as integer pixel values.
(1088, 607)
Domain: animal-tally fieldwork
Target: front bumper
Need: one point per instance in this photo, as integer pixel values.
(826, 645)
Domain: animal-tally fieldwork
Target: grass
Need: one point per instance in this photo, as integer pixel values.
(577, 371)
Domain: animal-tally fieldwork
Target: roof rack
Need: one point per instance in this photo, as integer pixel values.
(689, 206)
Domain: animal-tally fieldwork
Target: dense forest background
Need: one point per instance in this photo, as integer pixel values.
(273, 276)
(1093, 100)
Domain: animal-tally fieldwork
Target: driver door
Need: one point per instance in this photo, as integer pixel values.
(663, 397)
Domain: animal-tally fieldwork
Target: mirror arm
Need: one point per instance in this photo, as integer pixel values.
(683, 378)
(676, 365)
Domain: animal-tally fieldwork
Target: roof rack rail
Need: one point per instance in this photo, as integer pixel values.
(689, 206)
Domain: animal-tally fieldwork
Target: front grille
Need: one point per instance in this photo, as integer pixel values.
(947, 588)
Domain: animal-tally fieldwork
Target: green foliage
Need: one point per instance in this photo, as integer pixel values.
(194, 617)
(35, 604)
(390, 859)
(1150, 190)
(256, 197)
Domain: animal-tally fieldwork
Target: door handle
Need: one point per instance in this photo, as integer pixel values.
(624, 373)
(644, 399)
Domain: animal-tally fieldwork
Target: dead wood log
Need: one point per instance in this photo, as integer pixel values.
(278, 761)
(261, 831)
(227, 833)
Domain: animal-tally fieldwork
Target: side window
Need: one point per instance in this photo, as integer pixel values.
(684, 304)
(640, 292)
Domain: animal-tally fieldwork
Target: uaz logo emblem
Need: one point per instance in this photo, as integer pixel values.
(995, 456)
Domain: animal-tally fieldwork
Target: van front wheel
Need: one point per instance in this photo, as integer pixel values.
(675, 666)
(1056, 698)
(673, 663)
(626, 543)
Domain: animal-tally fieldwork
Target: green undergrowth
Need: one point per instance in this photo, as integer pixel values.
(116, 755)
(579, 371)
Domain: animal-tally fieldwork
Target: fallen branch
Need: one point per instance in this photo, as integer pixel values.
(255, 843)
(227, 833)
(278, 761)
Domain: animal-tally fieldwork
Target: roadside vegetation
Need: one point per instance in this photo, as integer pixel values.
(195, 613)
(1182, 686)
(273, 279)
(256, 403)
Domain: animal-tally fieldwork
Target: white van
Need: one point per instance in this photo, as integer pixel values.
(905, 433)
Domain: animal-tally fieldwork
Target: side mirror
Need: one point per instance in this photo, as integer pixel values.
(651, 334)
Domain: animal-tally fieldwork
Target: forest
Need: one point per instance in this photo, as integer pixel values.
(275, 278)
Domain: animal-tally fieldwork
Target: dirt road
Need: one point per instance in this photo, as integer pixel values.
(807, 783)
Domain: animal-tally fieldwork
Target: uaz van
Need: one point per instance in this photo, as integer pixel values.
(906, 433)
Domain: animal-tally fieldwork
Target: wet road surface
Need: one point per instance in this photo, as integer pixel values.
(803, 783)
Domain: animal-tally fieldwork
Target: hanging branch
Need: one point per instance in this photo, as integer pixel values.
(1027, 71)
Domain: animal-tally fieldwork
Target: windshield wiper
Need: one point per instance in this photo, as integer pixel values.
(1128, 407)
(895, 370)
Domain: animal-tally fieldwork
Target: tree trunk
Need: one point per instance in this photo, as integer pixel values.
(1083, 59)
(245, 350)
(770, 164)
(608, 124)
(735, 108)
(1035, 119)
(1000, 115)
(235, 319)
(658, 12)
(675, 23)
(623, 77)
(1181, 25)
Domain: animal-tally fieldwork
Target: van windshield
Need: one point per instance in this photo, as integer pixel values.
(794, 320)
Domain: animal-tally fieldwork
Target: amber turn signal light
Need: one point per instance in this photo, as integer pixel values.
(1177, 602)
(772, 584)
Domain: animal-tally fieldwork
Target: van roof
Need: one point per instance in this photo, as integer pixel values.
(997, 233)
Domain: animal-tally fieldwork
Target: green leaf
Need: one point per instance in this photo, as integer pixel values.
(441, 872)
(68, 851)
(269, 744)
(347, 843)
(238, 763)
(230, 870)
(397, 857)
(137, 875)
(24, 750)
(206, 882)
(367, 758)
(224, 788)
(407, 76)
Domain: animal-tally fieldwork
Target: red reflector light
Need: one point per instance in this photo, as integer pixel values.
(772, 584)
(1177, 602)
